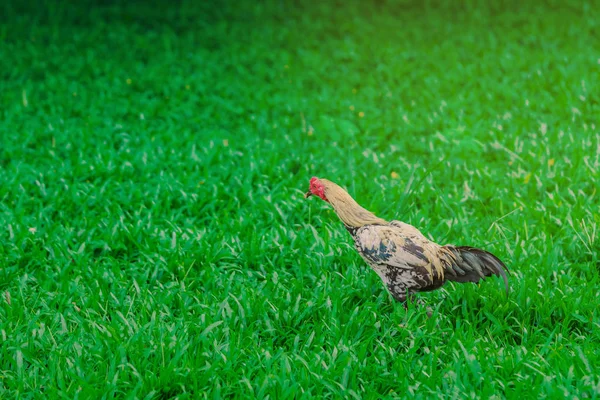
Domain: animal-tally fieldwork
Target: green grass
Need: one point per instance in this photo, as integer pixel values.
(154, 238)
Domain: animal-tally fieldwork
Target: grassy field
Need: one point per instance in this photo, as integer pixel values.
(155, 242)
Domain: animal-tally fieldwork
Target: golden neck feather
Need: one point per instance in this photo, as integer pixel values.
(349, 211)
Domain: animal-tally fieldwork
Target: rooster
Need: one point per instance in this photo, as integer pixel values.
(405, 260)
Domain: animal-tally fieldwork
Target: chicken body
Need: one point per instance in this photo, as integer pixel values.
(405, 260)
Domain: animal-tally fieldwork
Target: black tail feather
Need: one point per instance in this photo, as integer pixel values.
(473, 264)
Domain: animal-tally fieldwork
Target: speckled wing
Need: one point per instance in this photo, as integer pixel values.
(405, 260)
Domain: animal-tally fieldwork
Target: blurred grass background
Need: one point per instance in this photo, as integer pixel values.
(154, 238)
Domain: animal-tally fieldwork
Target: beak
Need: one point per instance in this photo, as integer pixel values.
(307, 195)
